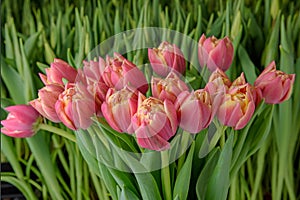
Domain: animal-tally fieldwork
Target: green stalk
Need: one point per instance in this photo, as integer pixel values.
(165, 176)
(58, 131)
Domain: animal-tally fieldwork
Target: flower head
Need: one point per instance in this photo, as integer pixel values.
(275, 86)
(119, 107)
(195, 110)
(119, 72)
(21, 121)
(58, 71)
(215, 53)
(165, 58)
(155, 122)
(168, 88)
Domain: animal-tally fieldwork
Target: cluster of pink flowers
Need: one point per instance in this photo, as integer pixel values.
(115, 89)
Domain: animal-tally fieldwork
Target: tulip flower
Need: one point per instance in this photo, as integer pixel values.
(58, 71)
(75, 106)
(22, 121)
(119, 107)
(195, 110)
(215, 53)
(237, 107)
(168, 88)
(91, 76)
(45, 104)
(165, 58)
(155, 122)
(119, 72)
(276, 86)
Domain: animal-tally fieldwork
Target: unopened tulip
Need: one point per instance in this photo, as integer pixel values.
(276, 86)
(195, 110)
(119, 72)
(22, 121)
(45, 104)
(237, 107)
(155, 122)
(58, 72)
(165, 58)
(119, 107)
(75, 107)
(215, 53)
(168, 88)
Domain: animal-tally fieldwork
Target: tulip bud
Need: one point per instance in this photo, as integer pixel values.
(168, 88)
(165, 58)
(237, 107)
(22, 121)
(194, 110)
(75, 106)
(118, 109)
(155, 122)
(119, 72)
(58, 71)
(276, 86)
(215, 53)
(45, 104)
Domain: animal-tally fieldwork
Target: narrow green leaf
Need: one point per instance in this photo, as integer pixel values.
(247, 65)
(219, 181)
(30, 44)
(182, 183)
(13, 82)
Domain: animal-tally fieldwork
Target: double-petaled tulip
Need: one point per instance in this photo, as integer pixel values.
(119, 72)
(58, 71)
(45, 104)
(237, 106)
(195, 110)
(276, 86)
(91, 76)
(155, 122)
(165, 58)
(215, 53)
(22, 121)
(119, 108)
(75, 106)
(168, 88)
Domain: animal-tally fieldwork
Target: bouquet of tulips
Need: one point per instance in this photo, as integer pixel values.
(159, 131)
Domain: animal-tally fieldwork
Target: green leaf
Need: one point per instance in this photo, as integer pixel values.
(30, 44)
(182, 183)
(13, 82)
(247, 65)
(21, 185)
(206, 173)
(127, 194)
(219, 182)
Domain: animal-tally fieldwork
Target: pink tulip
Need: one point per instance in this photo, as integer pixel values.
(168, 88)
(75, 106)
(22, 121)
(118, 109)
(119, 72)
(276, 86)
(195, 110)
(58, 71)
(91, 76)
(165, 58)
(237, 107)
(218, 82)
(45, 104)
(155, 122)
(215, 53)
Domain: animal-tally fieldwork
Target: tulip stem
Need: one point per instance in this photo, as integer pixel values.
(58, 131)
(165, 175)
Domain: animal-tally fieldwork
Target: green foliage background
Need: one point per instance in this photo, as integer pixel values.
(33, 33)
